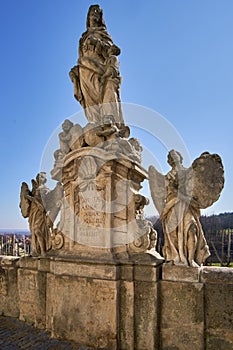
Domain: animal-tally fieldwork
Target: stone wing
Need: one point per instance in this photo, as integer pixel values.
(24, 201)
(208, 179)
(52, 201)
(157, 188)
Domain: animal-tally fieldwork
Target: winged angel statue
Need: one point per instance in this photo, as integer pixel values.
(41, 206)
(178, 196)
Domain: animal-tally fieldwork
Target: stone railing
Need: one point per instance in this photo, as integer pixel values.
(137, 304)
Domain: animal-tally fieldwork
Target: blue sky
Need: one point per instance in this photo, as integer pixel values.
(176, 59)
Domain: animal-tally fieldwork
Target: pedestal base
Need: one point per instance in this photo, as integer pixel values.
(100, 304)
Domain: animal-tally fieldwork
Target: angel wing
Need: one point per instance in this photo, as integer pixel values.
(157, 188)
(24, 201)
(208, 179)
(52, 200)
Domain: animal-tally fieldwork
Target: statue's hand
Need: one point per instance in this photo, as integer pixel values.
(93, 41)
(103, 78)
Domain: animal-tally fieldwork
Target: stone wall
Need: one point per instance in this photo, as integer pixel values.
(196, 307)
(130, 304)
(9, 291)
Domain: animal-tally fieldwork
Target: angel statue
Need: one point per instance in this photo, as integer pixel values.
(41, 206)
(178, 197)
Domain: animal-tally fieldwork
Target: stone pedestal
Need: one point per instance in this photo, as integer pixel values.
(99, 304)
(32, 291)
(100, 202)
(182, 308)
(196, 308)
(218, 283)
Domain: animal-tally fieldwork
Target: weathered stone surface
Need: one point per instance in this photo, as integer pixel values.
(126, 305)
(219, 314)
(182, 315)
(92, 269)
(182, 338)
(146, 315)
(83, 310)
(9, 296)
(127, 272)
(112, 300)
(197, 313)
(180, 273)
(126, 315)
(219, 339)
(217, 275)
(32, 297)
(147, 272)
(180, 298)
(29, 262)
(44, 264)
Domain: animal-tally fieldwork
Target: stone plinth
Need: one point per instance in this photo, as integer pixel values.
(9, 295)
(32, 291)
(99, 206)
(102, 304)
(83, 306)
(196, 308)
(218, 307)
(182, 309)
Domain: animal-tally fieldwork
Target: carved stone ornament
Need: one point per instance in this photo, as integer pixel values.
(107, 136)
(146, 239)
(57, 238)
(178, 197)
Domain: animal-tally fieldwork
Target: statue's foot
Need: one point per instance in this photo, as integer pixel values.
(155, 254)
(180, 262)
(192, 263)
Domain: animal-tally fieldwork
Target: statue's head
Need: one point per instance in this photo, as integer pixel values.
(95, 17)
(174, 158)
(67, 125)
(41, 178)
(136, 144)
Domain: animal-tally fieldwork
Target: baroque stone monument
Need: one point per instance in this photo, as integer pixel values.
(98, 166)
(95, 276)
